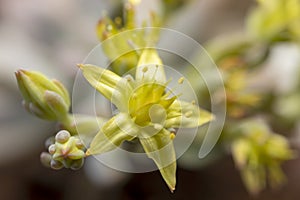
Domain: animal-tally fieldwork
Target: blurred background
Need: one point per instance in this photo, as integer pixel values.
(52, 37)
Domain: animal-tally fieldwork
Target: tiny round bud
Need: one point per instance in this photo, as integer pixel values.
(49, 141)
(52, 149)
(45, 159)
(77, 164)
(79, 143)
(62, 136)
(56, 164)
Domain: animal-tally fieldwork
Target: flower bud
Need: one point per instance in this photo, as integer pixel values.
(47, 99)
(45, 159)
(56, 164)
(77, 164)
(62, 136)
(67, 151)
(52, 149)
(49, 141)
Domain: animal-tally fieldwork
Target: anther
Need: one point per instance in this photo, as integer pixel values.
(128, 78)
(145, 69)
(180, 80)
(172, 136)
(188, 114)
(118, 21)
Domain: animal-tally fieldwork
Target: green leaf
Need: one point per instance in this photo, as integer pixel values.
(118, 129)
(186, 115)
(160, 148)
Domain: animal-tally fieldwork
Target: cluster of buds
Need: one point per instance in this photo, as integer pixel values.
(64, 151)
(258, 154)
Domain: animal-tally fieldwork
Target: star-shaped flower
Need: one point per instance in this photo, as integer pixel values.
(147, 110)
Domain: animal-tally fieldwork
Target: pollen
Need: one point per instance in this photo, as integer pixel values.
(193, 102)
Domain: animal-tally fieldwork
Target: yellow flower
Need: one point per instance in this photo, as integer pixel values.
(123, 46)
(276, 19)
(147, 111)
(258, 153)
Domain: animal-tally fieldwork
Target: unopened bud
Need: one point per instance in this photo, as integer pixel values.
(56, 164)
(52, 149)
(77, 164)
(67, 151)
(45, 159)
(47, 99)
(56, 103)
(62, 136)
(49, 141)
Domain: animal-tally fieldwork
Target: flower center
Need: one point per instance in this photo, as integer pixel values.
(149, 104)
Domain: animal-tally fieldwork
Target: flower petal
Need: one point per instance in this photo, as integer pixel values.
(123, 92)
(112, 134)
(105, 81)
(150, 67)
(186, 115)
(160, 148)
